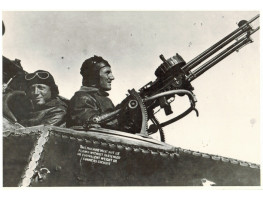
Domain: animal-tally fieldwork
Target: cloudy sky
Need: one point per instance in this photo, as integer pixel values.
(228, 94)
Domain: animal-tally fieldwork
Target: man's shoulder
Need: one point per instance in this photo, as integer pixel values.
(58, 103)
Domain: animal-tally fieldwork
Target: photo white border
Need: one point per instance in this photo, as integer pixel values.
(136, 192)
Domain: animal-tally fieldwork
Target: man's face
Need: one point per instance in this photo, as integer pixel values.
(39, 94)
(106, 77)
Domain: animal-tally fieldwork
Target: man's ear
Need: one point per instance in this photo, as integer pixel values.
(28, 98)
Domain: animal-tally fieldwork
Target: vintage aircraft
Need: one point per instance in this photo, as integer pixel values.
(58, 156)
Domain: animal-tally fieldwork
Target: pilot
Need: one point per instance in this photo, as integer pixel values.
(45, 105)
(91, 103)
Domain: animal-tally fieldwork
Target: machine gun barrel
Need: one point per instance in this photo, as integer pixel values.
(203, 68)
(244, 28)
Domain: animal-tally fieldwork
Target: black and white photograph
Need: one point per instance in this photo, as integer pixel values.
(131, 98)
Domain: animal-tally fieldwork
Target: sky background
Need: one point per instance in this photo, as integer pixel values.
(228, 94)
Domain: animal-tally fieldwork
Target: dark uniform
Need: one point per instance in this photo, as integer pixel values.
(52, 113)
(87, 103)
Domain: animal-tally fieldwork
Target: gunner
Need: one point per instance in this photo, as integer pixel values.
(91, 103)
(46, 107)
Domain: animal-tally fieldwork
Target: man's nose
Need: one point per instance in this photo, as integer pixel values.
(111, 76)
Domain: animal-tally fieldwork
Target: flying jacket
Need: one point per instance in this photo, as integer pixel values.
(52, 113)
(87, 103)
